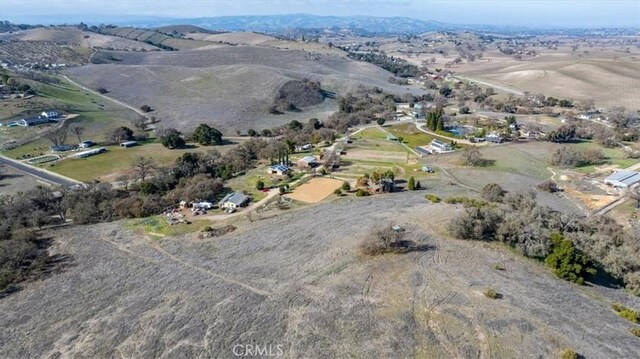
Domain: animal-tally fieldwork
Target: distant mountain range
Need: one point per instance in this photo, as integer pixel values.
(279, 24)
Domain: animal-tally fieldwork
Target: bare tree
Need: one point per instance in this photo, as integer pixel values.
(140, 123)
(57, 136)
(143, 167)
(78, 131)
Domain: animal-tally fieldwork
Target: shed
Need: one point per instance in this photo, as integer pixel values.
(93, 152)
(128, 144)
(623, 179)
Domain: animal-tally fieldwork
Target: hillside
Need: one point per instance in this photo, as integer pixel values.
(609, 82)
(183, 29)
(299, 281)
(153, 37)
(243, 38)
(76, 37)
(230, 87)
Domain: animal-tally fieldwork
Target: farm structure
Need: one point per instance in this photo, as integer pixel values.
(234, 200)
(93, 152)
(128, 144)
(86, 144)
(62, 148)
(623, 179)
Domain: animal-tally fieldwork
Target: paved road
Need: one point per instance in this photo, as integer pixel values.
(38, 173)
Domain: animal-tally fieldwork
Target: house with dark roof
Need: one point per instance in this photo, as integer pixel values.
(32, 121)
(279, 169)
(307, 162)
(234, 200)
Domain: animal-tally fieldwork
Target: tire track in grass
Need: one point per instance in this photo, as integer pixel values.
(208, 272)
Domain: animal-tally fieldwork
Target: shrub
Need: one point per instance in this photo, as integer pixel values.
(567, 261)
(432, 198)
(345, 186)
(547, 186)
(568, 354)
(411, 184)
(466, 201)
(282, 190)
(492, 192)
(338, 192)
(626, 313)
(383, 240)
(260, 185)
(362, 193)
(491, 293)
(635, 331)
(145, 108)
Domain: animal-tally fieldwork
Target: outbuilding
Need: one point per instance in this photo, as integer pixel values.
(127, 144)
(623, 179)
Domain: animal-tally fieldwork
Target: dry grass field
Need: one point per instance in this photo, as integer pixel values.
(229, 87)
(299, 280)
(315, 190)
(241, 38)
(607, 81)
(74, 36)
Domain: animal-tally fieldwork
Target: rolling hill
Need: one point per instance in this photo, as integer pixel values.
(230, 87)
(299, 281)
(73, 36)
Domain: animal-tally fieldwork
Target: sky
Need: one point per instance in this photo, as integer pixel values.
(565, 13)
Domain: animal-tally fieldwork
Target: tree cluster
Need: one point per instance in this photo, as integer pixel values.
(573, 246)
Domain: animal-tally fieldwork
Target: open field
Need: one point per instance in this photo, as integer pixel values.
(156, 226)
(256, 39)
(315, 190)
(607, 81)
(116, 160)
(413, 137)
(212, 85)
(298, 280)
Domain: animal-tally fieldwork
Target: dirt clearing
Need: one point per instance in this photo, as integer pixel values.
(315, 190)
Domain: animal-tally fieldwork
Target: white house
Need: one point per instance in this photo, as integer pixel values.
(440, 147)
(234, 200)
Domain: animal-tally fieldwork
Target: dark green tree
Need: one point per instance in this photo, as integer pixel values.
(172, 139)
(207, 136)
(567, 261)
